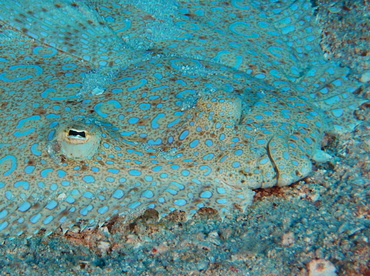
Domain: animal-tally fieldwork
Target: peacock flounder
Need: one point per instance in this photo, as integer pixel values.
(112, 107)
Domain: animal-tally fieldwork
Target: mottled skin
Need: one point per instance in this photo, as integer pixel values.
(169, 129)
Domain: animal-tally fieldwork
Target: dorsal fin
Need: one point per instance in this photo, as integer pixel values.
(84, 33)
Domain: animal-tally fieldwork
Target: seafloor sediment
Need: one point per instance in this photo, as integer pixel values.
(318, 224)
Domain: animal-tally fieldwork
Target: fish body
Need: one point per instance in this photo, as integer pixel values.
(94, 126)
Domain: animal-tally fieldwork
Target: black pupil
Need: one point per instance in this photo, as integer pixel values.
(76, 133)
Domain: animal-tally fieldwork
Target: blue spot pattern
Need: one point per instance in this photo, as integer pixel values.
(178, 106)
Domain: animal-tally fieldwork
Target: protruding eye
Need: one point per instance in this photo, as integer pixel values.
(77, 140)
(78, 134)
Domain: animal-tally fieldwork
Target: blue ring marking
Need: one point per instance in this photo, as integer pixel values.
(52, 116)
(127, 133)
(236, 164)
(3, 225)
(126, 27)
(221, 200)
(180, 186)
(208, 156)
(205, 167)
(264, 161)
(29, 169)
(8, 195)
(69, 199)
(238, 152)
(238, 6)
(133, 120)
(110, 179)
(106, 145)
(233, 27)
(260, 76)
(196, 181)
(86, 210)
(144, 106)
(209, 143)
(261, 141)
(223, 158)
(262, 24)
(148, 178)
(88, 195)
(13, 166)
(183, 134)
(288, 29)
(295, 163)
(221, 190)
(171, 191)
(206, 194)
(53, 51)
(154, 121)
(103, 210)
(97, 107)
(171, 124)
(53, 187)
(157, 168)
(337, 112)
(286, 155)
(88, 179)
(69, 66)
(185, 172)
(147, 194)
(51, 205)
(116, 90)
(163, 175)
(272, 50)
(34, 149)
(65, 183)
(76, 84)
(308, 140)
(24, 207)
(35, 218)
(41, 185)
(158, 75)
(194, 143)
(158, 141)
(134, 205)
(134, 172)
(46, 92)
(118, 194)
(61, 173)
(113, 170)
(45, 172)
(134, 151)
(180, 202)
(22, 122)
(47, 220)
(3, 214)
(140, 84)
(38, 69)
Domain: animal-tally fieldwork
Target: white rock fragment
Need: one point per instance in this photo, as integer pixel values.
(321, 267)
(321, 156)
(365, 77)
(287, 239)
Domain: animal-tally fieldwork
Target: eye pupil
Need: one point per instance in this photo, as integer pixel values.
(73, 132)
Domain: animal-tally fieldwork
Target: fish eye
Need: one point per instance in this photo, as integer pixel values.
(75, 141)
(77, 134)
